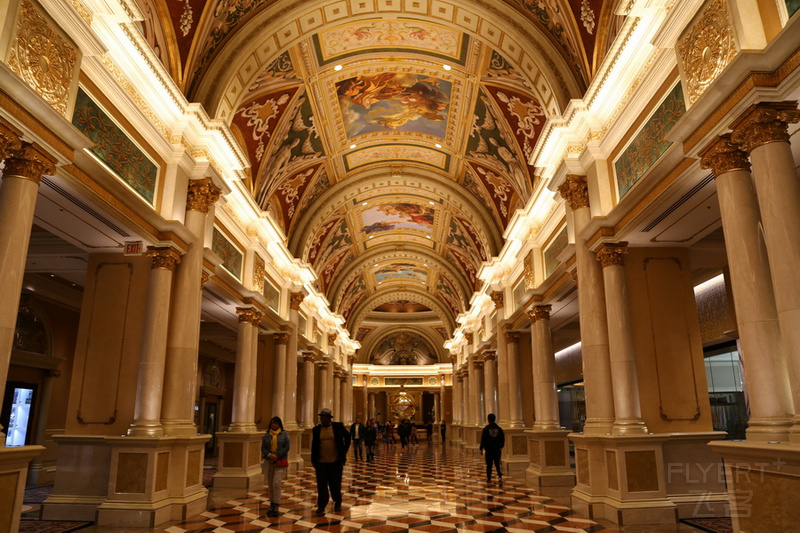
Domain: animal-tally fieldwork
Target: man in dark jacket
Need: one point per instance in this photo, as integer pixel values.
(329, 444)
(492, 441)
(356, 434)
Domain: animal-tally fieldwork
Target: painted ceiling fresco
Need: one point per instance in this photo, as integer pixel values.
(392, 149)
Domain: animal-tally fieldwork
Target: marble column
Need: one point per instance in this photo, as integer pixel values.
(290, 398)
(763, 132)
(442, 406)
(242, 420)
(24, 168)
(625, 380)
(763, 355)
(281, 341)
(183, 339)
(466, 411)
(309, 418)
(544, 370)
(437, 409)
(337, 395)
(490, 381)
(371, 400)
(592, 309)
(324, 384)
(511, 340)
(502, 407)
(147, 411)
(477, 378)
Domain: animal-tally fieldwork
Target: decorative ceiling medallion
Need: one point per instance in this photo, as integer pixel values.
(706, 49)
(42, 58)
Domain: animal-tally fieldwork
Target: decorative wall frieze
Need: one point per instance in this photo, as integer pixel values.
(706, 47)
(723, 156)
(764, 123)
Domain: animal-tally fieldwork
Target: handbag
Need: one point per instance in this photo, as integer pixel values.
(282, 462)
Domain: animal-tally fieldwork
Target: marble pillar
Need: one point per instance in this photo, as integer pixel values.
(490, 381)
(763, 355)
(25, 165)
(281, 341)
(243, 416)
(592, 309)
(763, 132)
(337, 395)
(149, 390)
(502, 404)
(545, 397)
(183, 339)
(290, 398)
(324, 385)
(309, 417)
(627, 407)
(511, 342)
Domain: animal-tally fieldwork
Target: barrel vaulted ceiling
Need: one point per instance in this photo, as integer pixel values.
(389, 139)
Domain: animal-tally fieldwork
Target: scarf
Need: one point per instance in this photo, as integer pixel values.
(273, 445)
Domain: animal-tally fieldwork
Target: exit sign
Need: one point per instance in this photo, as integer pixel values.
(133, 248)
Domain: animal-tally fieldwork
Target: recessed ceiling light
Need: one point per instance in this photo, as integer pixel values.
(380, 283)
(376, 264)
(437, 145)
(372, 236)
(431, 202)
(423, 283)
(337, 68)
(352, 146)
(363, 203)
(446, 67)
(424, 264)
(427, 236)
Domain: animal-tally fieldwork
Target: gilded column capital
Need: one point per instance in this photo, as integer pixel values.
(202, 194)
(321, 364)
(205, 277)
(468, 337)
(163, 257)
(281, 338)
(764, 123)
(309, 357)
(332, 338)
(612, 254)
(453, 359)
(249, 314)
(723, 155)
(489, 355)
(478, 364)
(539, 312)
(512, 337)
(9, 141)
(296, 299)
(29, 163)
(351, 359)
(497, 298)
(575, 191)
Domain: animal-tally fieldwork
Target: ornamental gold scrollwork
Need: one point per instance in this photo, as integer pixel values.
(202, 194)
(764, 123)
(706, 49)
(512, 337)
(259, 273)
(497, 298)
(612, 254)
(42, 58)
(165, 258)
(724, 156)
(9, 141)
(527, 270)
(280, 338)
(296, 299)
(575, 191)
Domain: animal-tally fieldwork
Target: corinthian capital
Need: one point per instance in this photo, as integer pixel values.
(764, 123)
(575, 191)
(249, 314)
(296, 299)
(30, 163)
(539, 312)
(9, 141)
(512, 337)
(281, 338)
(202, 194)
(497, 298)
(165, 258)
(612, 254)
(723, 156)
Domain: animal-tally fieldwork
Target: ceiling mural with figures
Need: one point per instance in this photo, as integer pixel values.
(390, 141)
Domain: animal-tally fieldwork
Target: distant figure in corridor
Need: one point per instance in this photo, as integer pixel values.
(275, 451)
(443, 430)
(356, 435)
(492, 441)
(329, 444)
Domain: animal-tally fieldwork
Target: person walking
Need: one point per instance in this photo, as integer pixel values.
(275, 452)
(330, 442)
(492, 441)
(443, 431)
(370, 437)
(356, 434)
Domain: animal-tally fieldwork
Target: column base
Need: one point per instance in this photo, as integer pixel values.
(305, 445)
(648, 479)
(13, 473)
(763, 483)
(515, 454)
(239, 461)
(472, 439)
(296, 461)
(548, 469)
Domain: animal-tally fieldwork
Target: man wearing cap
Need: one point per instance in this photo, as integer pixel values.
(329, 444)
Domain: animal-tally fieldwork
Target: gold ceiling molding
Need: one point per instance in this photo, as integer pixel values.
(135, 96)
(706, 48)
(46, 61)
(82, 11)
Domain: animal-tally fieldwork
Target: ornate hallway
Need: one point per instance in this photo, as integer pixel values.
(427, 488)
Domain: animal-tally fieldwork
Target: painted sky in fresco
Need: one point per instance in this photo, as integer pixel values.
(387, 217)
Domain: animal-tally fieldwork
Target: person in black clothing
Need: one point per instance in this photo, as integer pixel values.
(370, 437)
(329, 444)
(492, 441)
(443, 430)
(403, 430)
(356, 434)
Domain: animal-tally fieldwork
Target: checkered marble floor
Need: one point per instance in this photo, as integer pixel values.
(427, 489)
